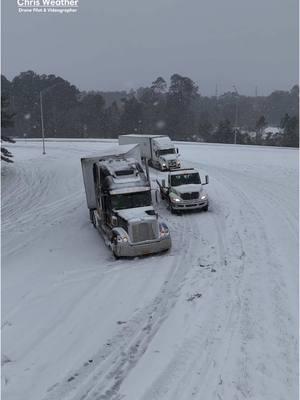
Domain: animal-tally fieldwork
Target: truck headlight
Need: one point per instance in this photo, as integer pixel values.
(163, 230)
(121, 239)
(175, 199)
(204, 197)
(163, 164)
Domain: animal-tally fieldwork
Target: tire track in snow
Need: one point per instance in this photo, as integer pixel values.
(27, 203)
(103, 378)
(198, 354)
(235, 320)
(268, 296)
(257, 295)
(49, 212)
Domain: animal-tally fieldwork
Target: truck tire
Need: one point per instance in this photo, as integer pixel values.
(92, 218)
(114, 241)
(91, 215)
(157, 165)
(173, 211)
(205, 208)
(115, 255)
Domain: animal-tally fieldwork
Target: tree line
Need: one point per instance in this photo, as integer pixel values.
(176, 108)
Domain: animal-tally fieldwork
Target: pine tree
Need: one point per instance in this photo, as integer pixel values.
(224, 133)
(159, 86)
(6, 122)
(182, 94)
(131, 118)
(290, 126)
(259, 127)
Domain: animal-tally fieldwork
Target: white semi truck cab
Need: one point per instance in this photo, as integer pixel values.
(158, 150)
(184, 190)
(119, 200)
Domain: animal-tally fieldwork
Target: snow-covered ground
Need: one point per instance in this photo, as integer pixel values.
(215, 318)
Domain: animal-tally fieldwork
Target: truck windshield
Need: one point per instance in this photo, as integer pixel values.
(185, 179)
(166, 151)
(131, 200)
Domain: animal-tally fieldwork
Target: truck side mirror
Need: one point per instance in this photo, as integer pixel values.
(206, 179)
(163, 183)
(114, 220)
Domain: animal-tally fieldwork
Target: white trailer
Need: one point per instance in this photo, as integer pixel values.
(158, 150)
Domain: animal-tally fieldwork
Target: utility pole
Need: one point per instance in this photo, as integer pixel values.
(236, 113)
(42, 122)
(42, 111)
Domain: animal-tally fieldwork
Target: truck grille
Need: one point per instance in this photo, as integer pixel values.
(172, 164)
(190, 196)
(144, 231)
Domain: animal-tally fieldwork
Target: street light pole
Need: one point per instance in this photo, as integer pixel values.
(236, 114)
(236, 120)
(42, 122)
(42, 112)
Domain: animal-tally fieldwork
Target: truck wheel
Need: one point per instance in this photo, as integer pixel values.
(114, 242)
(115, 255)
(92, 218)
(176, 212)
(91, 215)
(171, 208)
(205, 208)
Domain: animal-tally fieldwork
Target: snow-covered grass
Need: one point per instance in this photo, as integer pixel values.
(215, 318)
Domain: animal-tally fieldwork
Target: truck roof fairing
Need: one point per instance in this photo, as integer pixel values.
(164, 142)
(123, 174)
(116, 166)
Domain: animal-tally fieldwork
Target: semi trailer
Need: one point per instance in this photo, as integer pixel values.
(184, 190)
(158, 150)
(119, 199)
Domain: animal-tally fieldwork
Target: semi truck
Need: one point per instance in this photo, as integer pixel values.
(184, 190)
(158, 150)
(119, 200)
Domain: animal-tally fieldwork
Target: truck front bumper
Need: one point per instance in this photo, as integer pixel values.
(170, 167)
(189, 205)
(142, 249)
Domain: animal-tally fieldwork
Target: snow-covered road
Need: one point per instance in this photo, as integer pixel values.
(215, 318)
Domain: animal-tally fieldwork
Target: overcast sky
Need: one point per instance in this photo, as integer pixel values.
(119, 44)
